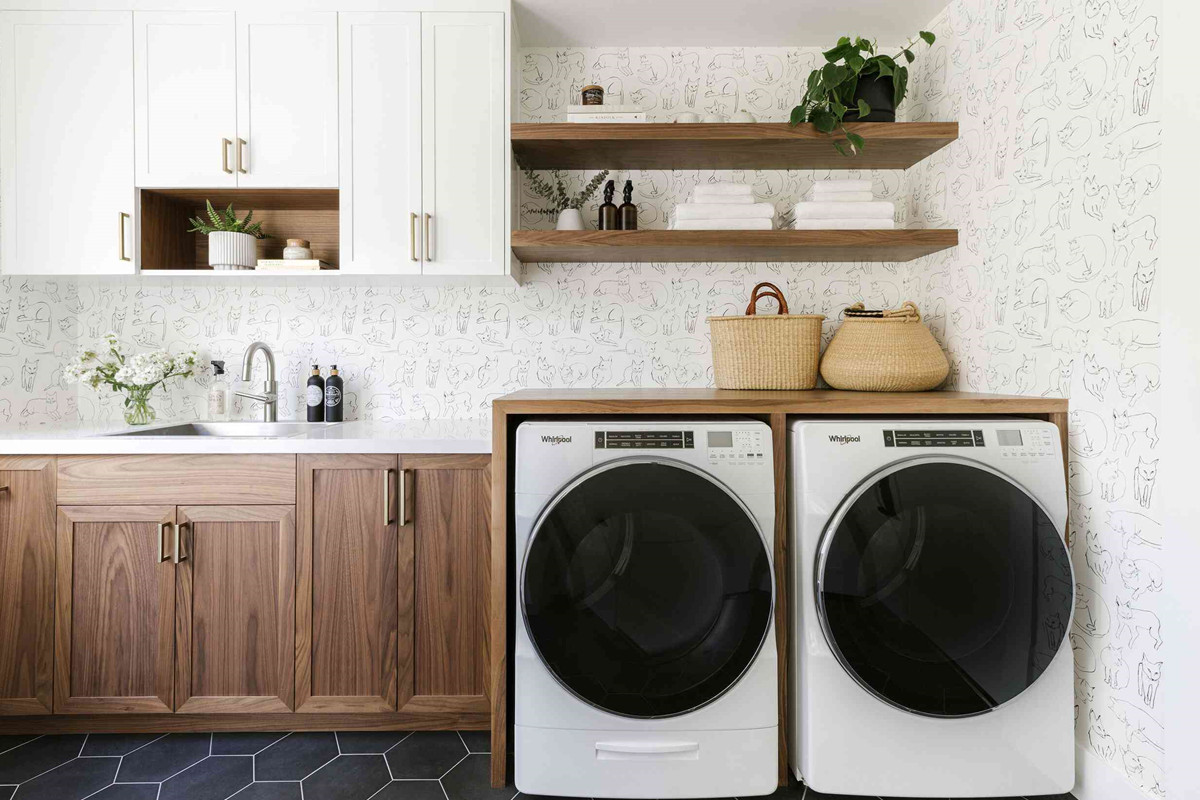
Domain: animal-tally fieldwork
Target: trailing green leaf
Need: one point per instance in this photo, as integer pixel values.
(830, 90)
(227, 222)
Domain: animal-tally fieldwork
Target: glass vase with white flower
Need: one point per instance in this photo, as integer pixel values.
(134, 376)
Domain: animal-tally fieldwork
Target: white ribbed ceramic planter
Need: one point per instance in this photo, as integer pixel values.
(228, 250)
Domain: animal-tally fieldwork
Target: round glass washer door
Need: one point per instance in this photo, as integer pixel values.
(647, 588)
(943, 587)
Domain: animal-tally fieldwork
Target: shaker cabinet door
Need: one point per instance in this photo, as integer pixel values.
(346, 574)
(235, 605)
(66, 142)
(380, 118)
(287, 90)
(115, 618)
(26, 584)
(463, 139)
(185, 98)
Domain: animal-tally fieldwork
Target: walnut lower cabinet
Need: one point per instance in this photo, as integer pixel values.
(175, 608)
(392, 559)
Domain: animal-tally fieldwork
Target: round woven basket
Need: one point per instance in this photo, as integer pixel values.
(884, 351)
(778, 351)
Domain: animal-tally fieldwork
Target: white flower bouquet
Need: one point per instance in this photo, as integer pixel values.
(135, 376)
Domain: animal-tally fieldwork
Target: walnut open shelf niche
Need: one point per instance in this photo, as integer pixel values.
(759, 145)
(167, 247)
(736, 246)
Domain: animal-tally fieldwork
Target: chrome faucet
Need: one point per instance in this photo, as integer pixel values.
(269, 397)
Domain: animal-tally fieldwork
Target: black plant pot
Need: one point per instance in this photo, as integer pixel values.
(880, 93)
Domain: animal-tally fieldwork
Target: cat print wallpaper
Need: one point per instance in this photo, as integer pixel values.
(1053, 185)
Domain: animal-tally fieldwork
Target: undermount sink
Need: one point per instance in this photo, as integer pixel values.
(253, 430)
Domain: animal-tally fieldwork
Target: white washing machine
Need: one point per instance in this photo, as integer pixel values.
(645, 648)
(933, 594)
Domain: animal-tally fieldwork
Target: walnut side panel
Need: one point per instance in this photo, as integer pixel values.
(26, 585)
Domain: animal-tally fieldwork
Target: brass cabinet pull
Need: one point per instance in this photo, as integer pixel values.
(121, 217)
(427, 256)
(402, 487)
(162, 546)
(225, 145)
(4, 488)
(241, 145)
(179, 554)
(412, 235)
(387, 497)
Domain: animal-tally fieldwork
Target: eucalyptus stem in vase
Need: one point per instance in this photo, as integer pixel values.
(134, 376)
(563, 205)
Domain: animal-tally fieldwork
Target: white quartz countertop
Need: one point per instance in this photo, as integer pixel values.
(366, 436)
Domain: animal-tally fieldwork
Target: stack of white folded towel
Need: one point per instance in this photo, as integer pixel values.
(844, 205)
(724, 206)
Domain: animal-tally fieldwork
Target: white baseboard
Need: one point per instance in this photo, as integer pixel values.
(1096, 780)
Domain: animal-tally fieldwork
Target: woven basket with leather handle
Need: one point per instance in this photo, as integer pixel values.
(884, 351)
(778, 351)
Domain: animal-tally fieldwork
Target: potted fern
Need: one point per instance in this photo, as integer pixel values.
(231, 241)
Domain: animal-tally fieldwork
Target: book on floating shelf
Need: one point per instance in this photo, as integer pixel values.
(292, 264)
(615, 108)
(608, 117)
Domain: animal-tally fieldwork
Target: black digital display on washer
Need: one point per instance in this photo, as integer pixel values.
(622, 440)
(897, 438)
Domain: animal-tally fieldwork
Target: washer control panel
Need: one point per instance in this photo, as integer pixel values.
(964, 438)
(645, 440)
(737, 447)
(1025, 442)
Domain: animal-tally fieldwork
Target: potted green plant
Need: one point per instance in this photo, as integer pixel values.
(231, 241)
(134, 376)
(856, 84)
(564, 207)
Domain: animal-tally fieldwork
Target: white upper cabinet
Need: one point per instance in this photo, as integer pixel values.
(380, 113)
(185, 98)
(287, 108)
(463, 142)
(236, 99)
(66, 142)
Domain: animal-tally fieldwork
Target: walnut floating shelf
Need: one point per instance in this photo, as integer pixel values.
(762, 145)
(736, 246)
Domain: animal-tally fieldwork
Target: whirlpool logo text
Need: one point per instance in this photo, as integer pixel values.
(556, 440)
(843, 439)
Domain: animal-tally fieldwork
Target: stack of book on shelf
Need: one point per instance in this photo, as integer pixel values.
(613, 113)
(292, 264)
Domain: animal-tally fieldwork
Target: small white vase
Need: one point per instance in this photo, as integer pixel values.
(569, 219)
(229, 250)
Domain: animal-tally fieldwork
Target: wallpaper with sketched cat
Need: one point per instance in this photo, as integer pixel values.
(1053, 184)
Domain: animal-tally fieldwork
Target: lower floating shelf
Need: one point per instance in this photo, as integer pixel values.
(676, 246)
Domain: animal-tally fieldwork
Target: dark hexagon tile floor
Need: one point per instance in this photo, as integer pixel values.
(374, 765)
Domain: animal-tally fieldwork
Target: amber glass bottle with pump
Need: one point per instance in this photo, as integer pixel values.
(608, 211)
(627, 213)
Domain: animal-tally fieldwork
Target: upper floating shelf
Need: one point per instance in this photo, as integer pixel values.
(759, 145)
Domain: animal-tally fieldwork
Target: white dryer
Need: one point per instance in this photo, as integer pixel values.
(645, 649)
(933, 595)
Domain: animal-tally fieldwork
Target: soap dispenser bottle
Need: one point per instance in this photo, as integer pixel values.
(628, 211)
(314, 396)
(608, 211)
(218, 394)
(333, 396)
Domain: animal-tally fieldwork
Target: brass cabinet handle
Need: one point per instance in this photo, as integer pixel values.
(387, 497)
(121, 217)
(162, 546)
(402, 486)
(179, 554)
(4, 488)
(427, 256)
(412, 235)
(241, 145)
(225, 145)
